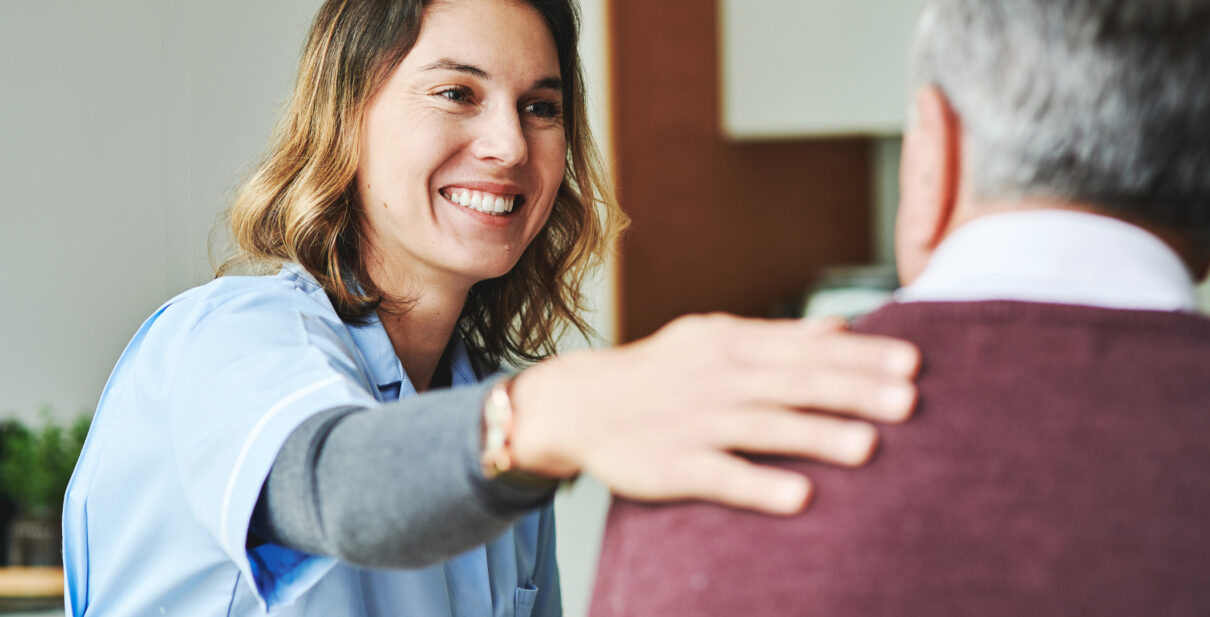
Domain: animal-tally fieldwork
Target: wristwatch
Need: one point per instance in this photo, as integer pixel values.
(496, 458)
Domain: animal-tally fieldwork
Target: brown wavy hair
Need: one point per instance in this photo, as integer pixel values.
(301, 204)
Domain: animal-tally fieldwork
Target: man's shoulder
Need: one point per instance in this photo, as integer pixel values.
(917, 320)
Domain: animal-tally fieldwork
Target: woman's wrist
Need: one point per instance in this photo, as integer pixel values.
(538, 440)
(496, 451)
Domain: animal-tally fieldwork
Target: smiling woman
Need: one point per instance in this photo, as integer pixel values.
(476, 120)
(326, 438)
(463, 100)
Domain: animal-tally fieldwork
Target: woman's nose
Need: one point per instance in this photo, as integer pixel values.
(501, 138)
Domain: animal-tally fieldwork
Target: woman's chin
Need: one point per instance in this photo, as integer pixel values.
(482, 270)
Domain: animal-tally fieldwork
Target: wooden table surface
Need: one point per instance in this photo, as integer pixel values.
(31, 582)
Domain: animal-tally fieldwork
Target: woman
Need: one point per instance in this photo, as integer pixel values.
(279, 442)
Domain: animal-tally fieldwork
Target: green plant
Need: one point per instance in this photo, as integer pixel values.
(36, 464)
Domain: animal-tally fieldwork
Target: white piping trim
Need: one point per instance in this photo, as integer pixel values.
(224, 518)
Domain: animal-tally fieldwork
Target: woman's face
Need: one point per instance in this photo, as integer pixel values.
(463, 148)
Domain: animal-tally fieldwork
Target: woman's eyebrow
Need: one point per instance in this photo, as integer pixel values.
(549, 83)
(446, 64)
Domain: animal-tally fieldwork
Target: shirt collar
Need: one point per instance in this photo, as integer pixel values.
(376, 349)
(371, 338)
(303, 280)
(1055, 256)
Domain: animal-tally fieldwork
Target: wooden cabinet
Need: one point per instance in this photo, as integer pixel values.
(718, 225)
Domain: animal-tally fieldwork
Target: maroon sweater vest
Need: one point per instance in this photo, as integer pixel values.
(1058, 465)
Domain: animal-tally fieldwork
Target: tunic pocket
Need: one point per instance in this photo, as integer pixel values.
(524, 599)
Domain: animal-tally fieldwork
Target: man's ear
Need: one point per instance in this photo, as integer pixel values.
(929, 177)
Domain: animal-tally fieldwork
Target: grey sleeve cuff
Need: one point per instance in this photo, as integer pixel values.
(397, 486)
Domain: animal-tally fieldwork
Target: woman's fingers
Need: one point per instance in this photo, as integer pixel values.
(860, 395)
(801, 435)
(878, 355)
(824, 324)
(798, 363)
(727, 479)
(809, 344)
(661, 418)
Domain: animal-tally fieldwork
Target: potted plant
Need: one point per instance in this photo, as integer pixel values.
(35, 467)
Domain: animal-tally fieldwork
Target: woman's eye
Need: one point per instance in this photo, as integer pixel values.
(457, 95)
(544, 109)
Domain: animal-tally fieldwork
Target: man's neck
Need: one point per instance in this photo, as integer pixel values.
(1055, 255)
(1180, 243)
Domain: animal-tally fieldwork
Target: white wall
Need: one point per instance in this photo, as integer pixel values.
(804, 68)
(125, 126)
(82, 241)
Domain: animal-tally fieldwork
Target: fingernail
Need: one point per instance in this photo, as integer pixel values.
(792, 494)
(903, 361)
(862, 438)
(897, 401)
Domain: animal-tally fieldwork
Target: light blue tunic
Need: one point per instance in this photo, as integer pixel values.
(199, 404)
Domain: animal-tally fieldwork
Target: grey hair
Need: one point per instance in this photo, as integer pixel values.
(1100, 102)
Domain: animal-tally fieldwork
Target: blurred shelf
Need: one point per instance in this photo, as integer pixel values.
(30, 589)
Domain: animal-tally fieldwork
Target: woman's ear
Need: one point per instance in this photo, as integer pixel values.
(929, 175)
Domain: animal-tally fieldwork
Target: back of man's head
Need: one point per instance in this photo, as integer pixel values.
(1104, 103)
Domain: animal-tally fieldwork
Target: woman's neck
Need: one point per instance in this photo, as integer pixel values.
(420, 319)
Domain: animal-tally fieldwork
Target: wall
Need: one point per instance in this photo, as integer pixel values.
(805, 68)
(125, 126)
(82, 246)
(717, 225)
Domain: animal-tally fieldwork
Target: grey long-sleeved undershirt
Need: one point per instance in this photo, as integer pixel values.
(397, 486)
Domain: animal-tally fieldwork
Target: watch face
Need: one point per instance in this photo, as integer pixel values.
(497, 423)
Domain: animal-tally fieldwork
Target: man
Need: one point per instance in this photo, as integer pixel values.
(1055, 214)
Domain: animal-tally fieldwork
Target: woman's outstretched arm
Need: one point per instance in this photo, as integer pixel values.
(661, 419)
(397, 486)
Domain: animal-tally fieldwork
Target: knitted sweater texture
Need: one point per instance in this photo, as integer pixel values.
(1058, 464)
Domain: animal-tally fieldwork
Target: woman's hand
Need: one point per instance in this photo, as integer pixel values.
(659, 419)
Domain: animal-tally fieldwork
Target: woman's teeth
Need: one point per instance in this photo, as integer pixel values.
(488, 203)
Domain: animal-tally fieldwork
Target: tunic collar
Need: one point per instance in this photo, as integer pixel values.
(376, 349)
(371, 338)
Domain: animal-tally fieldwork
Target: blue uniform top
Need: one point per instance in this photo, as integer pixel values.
(156, 516)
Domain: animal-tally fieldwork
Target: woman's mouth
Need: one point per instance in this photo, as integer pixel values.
(482, 201)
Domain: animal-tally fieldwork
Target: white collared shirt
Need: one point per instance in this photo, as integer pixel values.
(1055, 256)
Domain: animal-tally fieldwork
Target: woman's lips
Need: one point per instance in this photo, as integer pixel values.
(482, 201)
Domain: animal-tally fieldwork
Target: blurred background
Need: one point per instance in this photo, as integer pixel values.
(755, 144)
